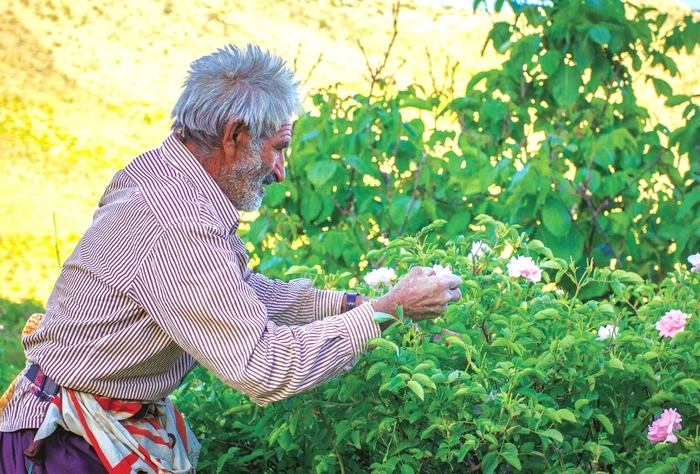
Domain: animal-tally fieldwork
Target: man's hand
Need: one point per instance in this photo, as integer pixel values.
(422, 294)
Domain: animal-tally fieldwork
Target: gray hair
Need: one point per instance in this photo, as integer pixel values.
(250, 84)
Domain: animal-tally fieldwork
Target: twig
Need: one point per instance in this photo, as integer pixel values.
(430, 70)
(375, 73)
(415, 193)
(340, 460)
(594, 212)
(55, 240)
(308, 76)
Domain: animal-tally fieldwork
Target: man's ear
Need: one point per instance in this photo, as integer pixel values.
(235, 138)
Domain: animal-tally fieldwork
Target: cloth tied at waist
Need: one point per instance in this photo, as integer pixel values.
(158, 441)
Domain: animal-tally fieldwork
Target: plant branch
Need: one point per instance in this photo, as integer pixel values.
(415, 193)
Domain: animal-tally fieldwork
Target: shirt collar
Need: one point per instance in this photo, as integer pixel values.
(177, 154)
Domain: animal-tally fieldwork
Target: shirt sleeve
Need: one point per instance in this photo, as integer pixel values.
(295, 302)
(193, 286)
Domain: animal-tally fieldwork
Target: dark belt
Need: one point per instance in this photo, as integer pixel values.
(45, 388)
(42, 386)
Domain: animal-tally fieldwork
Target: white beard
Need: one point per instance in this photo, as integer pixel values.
(243, 183)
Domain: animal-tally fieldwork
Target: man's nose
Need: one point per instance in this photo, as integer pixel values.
(278, 169)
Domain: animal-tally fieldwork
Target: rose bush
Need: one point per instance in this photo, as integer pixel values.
(514, 378)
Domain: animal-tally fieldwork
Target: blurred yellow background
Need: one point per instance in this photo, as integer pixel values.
(86, 85)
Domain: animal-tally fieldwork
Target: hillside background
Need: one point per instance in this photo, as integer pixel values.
(85, 86)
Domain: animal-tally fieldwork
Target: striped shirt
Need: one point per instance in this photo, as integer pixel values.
(160, 282)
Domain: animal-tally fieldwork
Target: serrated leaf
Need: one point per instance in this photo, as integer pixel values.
(380, 317)
(297, 270)
(383, 343)
(490, 462)
(510, 454)
(424, 380)
(320, 173)
(375, 369)
(553, 434)
(615, 363)
(416, 387)
(565, 414)
(553, 264)
(556, 219)
(605, 421)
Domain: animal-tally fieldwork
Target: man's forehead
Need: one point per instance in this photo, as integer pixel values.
(285, 130)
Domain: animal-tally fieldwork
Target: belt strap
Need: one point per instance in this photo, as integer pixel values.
(43, 386)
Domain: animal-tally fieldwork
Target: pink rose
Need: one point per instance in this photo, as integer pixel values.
(662, 428)
(671, 323)
(524, 267)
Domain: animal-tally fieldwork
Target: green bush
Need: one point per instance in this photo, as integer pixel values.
(512, 378)
(555, 140)
(13, 316)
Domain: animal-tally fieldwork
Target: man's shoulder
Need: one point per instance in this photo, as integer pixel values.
(170, 194)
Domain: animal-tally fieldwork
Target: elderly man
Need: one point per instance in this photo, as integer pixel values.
(160, 282)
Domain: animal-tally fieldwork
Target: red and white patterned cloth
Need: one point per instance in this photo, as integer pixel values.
(158, 443)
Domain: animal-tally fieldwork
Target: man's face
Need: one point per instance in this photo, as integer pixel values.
(258, 163)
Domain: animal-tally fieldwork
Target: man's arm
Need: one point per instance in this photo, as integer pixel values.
(296, 301)
(192, 286)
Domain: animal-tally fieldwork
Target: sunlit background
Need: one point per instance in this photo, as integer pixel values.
(85, 87)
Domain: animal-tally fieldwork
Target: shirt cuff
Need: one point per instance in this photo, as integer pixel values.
(327, 303)
(361, 327)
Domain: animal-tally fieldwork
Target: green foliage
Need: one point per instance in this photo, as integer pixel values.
(554, 140)
(512, 378)
(583, 167)
(13, 316)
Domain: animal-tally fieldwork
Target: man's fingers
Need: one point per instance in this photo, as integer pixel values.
(455, 295)
(454, 282)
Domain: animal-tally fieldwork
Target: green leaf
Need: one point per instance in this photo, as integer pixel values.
(581, 402)
(662, 87)
(383, 343)
(380, 317)
(342, 429)
(297, 270)
(363, 166)
(600, 35)
(510, 454)
(424, 380)
(321, 172)
(406, 469)
(566, 82)
(615, 363)
(677, 100)
(689, 202)
(567, 415)
(310, 207)
(490, 462)
(416, 387)
(556, 218)
(605, 421)
(375, 369)
(402, 208)
(553, 434)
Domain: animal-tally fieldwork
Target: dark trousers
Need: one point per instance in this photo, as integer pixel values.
(64, 452)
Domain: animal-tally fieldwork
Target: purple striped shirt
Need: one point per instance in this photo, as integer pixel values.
(160, 282)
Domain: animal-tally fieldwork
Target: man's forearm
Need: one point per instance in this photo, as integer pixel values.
(360, 300)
